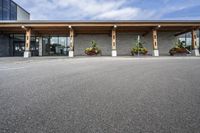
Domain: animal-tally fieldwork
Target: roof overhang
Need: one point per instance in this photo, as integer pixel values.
(62, 27)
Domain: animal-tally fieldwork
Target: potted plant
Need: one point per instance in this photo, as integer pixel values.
(179, 48)
(139, 49)
(93, 49)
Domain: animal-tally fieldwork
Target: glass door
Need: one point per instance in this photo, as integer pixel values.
(18, 48)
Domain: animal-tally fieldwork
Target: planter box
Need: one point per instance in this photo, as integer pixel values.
(92, 53)
(140, 53)
(179, 51)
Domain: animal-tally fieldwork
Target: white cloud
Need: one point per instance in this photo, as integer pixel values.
(125, 14)
(98, 9)
(82, 9)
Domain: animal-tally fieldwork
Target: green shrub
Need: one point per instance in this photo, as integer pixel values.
(139, 49)
(93, 49)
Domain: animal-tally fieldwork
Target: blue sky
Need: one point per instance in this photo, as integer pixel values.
(112, 9)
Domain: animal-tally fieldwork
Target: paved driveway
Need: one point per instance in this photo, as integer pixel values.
(100, 95)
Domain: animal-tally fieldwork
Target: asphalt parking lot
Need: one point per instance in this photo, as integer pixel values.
(100, 95)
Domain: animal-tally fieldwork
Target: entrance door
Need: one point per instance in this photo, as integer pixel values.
(18, 48)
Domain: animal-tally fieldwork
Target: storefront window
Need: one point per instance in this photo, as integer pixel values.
(55, 46)
(34, 48)
(182, 38)
(187, 39)
(18, 44)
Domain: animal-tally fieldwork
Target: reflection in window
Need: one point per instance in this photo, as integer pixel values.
(17, 42)
(13, 11)
(187, 39)
(55, 45)
(34, 47)
(6, 9)
(1, 9)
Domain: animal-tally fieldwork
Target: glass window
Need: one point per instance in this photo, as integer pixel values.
(13, 11)
(182, 38)
(19, 37)
(6, 9)
(188, 39)
(63, 45)
(34, 47)
(1, 9)
(18, 44)
(45, 45)
(55, 46)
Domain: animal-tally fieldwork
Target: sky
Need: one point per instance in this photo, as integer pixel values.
(112, 9)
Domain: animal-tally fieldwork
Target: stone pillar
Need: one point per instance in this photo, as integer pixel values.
(71, 41)
(195, 50)
(114, 49)
(155, 43)
(27, 52)
(40, 46)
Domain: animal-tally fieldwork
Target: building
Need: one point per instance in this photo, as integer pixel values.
(70, 38)
(27, 38)
(9, 10)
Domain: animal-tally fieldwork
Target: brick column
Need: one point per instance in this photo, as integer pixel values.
(155, 43)
(27, 52)
(195, 50)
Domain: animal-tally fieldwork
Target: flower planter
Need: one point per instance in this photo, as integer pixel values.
(139, 51)
(178, 51)
(93, 50)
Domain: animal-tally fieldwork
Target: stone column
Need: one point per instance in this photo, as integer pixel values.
(114, 38)
(27, 52)
(195, 50)
(71, 41)
(155, 43)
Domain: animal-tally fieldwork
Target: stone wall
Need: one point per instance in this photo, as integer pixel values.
(125, 41)
(82, 41)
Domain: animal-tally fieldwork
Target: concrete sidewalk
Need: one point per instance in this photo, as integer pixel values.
(46, 58)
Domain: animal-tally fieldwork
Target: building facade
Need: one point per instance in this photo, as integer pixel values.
(114, 38)
(9, 10)
(67, 38)
(20, 36)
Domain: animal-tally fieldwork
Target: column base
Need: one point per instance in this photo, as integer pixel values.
(195, 52)
(156, 53)
(71, 53)
(27, 54)
(114, 53)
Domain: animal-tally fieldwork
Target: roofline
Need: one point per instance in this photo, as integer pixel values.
(97, 21)
(20, 7)
(194, 24)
